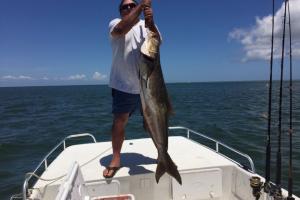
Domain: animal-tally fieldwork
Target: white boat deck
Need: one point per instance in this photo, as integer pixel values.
(205, 174)
(138, 157)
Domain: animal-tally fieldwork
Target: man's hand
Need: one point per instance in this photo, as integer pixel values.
(146, 3)
(148, 14)
(149, 21)
(130, 19)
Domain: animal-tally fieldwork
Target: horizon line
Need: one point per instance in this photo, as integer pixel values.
(169, 82)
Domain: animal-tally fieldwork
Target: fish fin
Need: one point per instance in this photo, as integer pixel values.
(147, 84)
(160, 170)
(165, 164)
(144, 82)
(170, 107)
(145, 125)
(151, 63)
(148, 59)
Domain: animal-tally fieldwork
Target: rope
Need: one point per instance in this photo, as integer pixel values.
(44, 179)
(16, 196)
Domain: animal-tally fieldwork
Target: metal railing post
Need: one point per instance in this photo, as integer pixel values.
(25, 185)
(46, 163)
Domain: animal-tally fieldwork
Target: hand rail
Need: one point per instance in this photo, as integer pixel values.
(45, 162)
(218, 144)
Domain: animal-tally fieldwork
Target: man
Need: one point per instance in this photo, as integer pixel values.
(127, 36)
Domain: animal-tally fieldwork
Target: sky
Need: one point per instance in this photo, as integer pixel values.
(65, 42)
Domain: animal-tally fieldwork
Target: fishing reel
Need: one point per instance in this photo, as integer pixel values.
(278, 194)
(257, 186)
(290, 198)
(275, 192)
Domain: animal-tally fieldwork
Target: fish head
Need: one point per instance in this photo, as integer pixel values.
(150, 56)
(150, 47)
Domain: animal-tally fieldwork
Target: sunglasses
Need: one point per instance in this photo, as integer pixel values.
(127, 6)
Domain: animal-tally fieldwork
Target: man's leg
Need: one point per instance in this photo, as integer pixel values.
(118, 134)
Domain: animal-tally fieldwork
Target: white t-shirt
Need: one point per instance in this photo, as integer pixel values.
(126, 57)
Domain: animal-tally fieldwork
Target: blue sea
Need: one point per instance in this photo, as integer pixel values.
(34, 119)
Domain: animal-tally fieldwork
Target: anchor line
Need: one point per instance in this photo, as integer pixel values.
(268, 146)
(278, 162)
(290, 173)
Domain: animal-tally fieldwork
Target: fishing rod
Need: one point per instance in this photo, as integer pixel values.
(278, 192)
(268, 147)
(255, 182)
(290, 175)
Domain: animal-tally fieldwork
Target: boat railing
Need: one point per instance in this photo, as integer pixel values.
(218, 144)
(44, 162)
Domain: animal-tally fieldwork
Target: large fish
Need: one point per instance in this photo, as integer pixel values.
(156, 105)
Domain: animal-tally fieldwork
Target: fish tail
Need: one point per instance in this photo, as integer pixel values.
(165, 164)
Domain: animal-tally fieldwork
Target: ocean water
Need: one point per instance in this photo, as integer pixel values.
(34, 119)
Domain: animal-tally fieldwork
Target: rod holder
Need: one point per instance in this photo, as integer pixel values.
(290, 198)
(256, 184)
(267, 187)
(278, 194)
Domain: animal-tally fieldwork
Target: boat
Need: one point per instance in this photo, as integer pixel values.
(207, 173)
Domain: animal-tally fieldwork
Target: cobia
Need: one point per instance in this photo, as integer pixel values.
(156, 105)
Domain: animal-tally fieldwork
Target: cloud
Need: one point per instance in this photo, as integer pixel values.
(21, 77)
(77, 77)
(98, 76)
(45, 78)
(256, 40)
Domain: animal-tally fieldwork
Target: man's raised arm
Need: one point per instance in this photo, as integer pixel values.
(128, 21)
